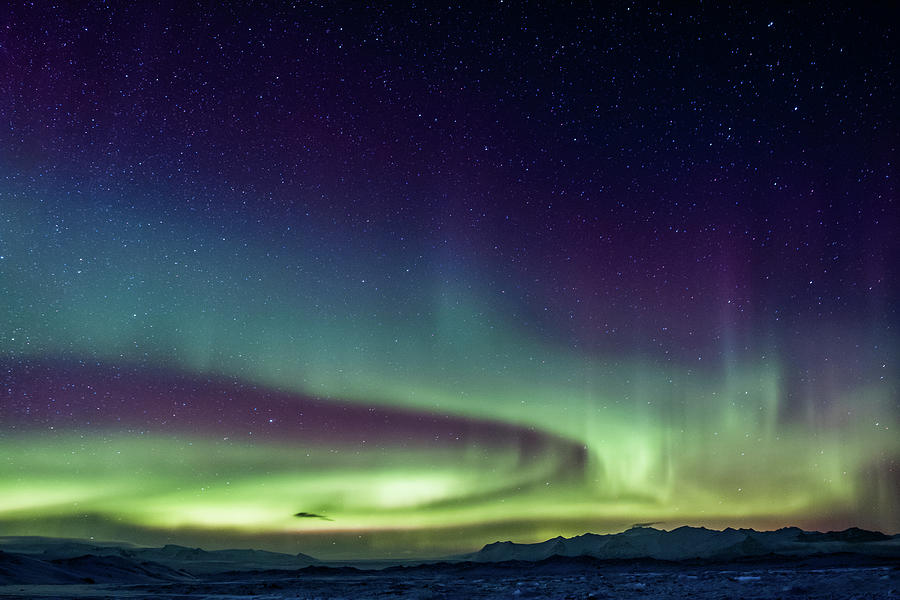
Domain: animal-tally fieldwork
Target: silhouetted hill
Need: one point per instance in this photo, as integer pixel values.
(196, 561)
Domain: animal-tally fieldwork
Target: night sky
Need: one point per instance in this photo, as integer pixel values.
(432, 277)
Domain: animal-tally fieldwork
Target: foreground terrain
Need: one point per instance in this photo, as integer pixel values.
(510, 581)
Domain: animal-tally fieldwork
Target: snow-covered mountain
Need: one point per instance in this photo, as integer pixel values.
(686, 543)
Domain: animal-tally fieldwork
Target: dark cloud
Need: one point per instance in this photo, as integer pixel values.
(306, 515)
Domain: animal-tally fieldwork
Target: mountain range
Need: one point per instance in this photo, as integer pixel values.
(26, 559)
(38, 560)
(691, 543)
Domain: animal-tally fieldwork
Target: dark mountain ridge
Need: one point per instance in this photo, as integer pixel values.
(689, 543)
(26, 560)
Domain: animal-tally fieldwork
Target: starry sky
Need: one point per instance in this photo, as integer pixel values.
(380, 282)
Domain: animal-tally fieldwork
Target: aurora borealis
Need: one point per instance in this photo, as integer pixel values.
(434, 277)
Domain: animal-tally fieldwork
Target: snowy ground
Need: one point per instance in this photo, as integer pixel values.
(698, 583)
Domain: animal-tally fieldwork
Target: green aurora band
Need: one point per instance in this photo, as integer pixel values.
(696, 442)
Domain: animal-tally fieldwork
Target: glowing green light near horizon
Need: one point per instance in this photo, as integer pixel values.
(664, 442)
(253, 487)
